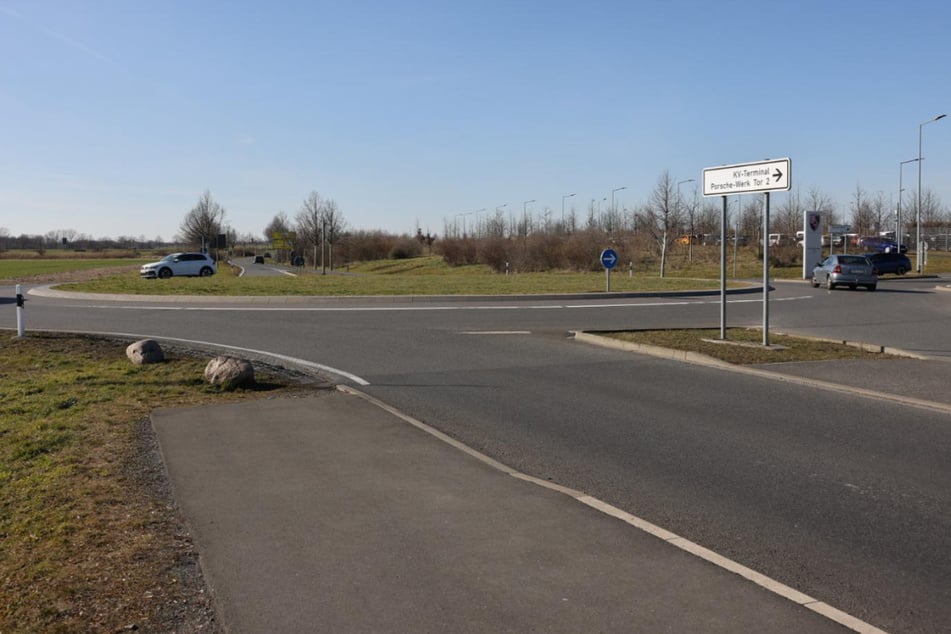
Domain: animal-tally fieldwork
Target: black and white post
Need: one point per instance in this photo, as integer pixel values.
(20, 327)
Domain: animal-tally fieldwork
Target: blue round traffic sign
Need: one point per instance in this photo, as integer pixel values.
(609, 258)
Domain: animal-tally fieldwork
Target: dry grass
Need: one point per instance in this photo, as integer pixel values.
(746, 345)
(89, 537)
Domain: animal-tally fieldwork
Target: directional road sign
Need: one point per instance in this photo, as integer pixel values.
(609, 258)
(746, 178)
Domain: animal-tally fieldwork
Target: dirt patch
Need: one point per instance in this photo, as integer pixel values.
(72, 276)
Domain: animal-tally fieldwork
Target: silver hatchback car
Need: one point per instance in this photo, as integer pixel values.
(845, 270)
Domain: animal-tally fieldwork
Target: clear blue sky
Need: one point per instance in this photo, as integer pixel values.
(117, 115)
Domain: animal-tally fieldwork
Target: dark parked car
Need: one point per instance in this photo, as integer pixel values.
(897, 263)
(878, 243)
(845, 270)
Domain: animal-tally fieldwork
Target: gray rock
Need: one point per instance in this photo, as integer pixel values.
(229, 372)
(145, 351)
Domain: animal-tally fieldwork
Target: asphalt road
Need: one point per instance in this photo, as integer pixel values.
(842, 497)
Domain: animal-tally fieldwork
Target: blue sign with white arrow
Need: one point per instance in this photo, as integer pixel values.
(609, 258)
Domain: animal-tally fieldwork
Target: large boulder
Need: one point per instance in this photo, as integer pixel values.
(229, 372)
(145, 351)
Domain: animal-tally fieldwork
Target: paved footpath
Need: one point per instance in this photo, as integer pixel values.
(328, 513)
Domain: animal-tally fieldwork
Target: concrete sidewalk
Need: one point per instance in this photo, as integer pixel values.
(332, 514)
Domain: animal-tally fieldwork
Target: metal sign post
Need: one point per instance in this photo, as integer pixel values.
(745, 178)
(608, 261)
(766, 269)
(723, 222)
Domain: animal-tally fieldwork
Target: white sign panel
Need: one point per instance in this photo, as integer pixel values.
(747, 178)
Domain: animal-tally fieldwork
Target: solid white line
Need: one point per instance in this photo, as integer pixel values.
(420, 308)
(210, 344)
(767, 583)
(497, 332)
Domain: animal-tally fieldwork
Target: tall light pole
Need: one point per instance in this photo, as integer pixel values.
(525, 214)
(499, 209)
(464, 214)
(679, 205)
(563, 209)
(613, 211)
(918, 223)
(898, 231)
(475, 231)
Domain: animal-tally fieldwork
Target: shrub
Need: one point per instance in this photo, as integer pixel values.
(582, 251)
(406, 248)
(494, 252)
(458, 252)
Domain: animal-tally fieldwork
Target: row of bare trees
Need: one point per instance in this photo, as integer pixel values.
(669, 216)
(315, 230)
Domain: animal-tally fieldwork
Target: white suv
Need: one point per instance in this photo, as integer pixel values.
(180, 264)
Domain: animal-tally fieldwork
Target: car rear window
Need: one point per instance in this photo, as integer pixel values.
(852, 259)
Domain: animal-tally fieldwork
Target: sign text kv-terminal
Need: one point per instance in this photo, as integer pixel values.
(747, 178)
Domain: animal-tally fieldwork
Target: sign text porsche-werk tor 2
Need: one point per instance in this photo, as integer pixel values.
(748, 178)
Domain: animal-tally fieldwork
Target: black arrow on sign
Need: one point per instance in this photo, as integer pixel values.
(778, 175)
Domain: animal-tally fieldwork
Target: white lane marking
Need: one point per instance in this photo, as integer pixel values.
(496, 332)
(210, 344)
(780, 589)
(372, 309)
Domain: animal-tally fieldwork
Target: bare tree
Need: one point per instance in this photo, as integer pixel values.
(881, 212)
(203, 223)
(818, 201)
(310, 223)
(863, 217)
(662, 218)
(788, 218)
(277, 232)
(334, 225)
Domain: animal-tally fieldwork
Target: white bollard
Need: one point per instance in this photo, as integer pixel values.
(20, 328)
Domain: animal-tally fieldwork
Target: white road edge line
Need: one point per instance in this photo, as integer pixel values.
(210, 344)
(767, 583)
(496, 332)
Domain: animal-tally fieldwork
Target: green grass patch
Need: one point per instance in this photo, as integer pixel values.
(417, 276)
(744, 345)
(83, 541)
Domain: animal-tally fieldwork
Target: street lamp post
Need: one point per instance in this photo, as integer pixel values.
(525, 215)
(563, 210)
(918, 211)
(679, 205)
(901, 189)
(613, 210)
(499, 209)
(475, 231)
(464, 214)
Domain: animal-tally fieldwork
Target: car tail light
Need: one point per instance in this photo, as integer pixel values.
(837, 269)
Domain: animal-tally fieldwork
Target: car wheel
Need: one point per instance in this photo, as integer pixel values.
(165, 273)
(815, 281)
(205, 271)
(852, 287)
(871, 287)
(900, 270)
(829, 284)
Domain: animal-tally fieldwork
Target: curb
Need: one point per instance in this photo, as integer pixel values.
(48, 290)
(697, 358)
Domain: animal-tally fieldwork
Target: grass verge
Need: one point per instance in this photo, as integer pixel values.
(419, 276)
(744, 345)
(89, 538)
